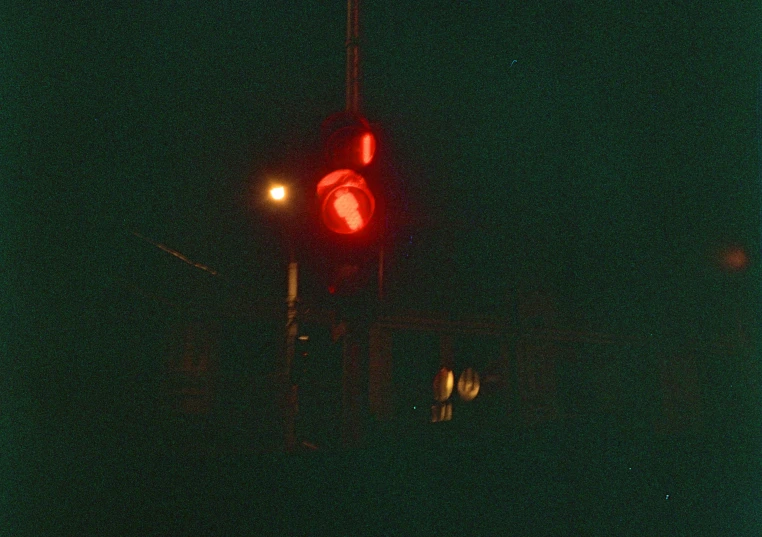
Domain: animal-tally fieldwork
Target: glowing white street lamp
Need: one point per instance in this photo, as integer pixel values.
(278, 193)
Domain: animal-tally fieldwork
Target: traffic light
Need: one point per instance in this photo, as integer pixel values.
(346, 202)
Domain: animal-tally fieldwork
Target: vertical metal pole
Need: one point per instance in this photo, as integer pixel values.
(346, 390)
(349, 354)
(353, 56)
(381, 273)
(289, 391)
(380, 373)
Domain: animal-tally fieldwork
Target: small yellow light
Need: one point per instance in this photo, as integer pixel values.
(441, 412)
(443, 384)
(278, 193)
(468, 385)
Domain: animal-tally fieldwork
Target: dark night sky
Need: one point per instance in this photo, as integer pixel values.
(606, 152)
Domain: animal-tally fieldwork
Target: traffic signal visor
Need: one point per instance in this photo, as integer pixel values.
(352, 147)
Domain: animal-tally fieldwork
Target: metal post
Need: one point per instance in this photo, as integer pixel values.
(289, 391)
(381, 273)
(350, 405)
(353, 56)
(380, 398)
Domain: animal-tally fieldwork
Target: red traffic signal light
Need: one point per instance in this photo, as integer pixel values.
(346, 203)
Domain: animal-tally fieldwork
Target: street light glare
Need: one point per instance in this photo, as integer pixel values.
(277, 193)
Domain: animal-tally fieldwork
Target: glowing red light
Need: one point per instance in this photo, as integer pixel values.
(735, 259)
(367, 148)
(352, 147)
(347, 207)
(346, 202)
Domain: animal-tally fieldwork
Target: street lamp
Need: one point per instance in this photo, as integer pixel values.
(278, 193)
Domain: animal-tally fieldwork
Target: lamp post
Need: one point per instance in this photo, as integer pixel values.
(287, 390)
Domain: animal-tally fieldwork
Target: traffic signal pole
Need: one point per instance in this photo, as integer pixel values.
(353, 97)
(339, 221)
(350, 415)
(353, 56)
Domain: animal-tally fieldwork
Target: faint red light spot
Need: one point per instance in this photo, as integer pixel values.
(735, 259)
(347, 208)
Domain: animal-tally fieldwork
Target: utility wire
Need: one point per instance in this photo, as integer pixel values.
(176, 254)
(248, 309)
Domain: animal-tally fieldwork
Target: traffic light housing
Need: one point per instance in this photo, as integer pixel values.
(348, 204)
(345, 194)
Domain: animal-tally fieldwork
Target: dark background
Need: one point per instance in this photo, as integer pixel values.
(608, 153)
